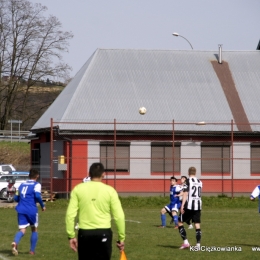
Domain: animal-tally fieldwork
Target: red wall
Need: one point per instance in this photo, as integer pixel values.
(79, 160)
(79, 166)
(209, 186)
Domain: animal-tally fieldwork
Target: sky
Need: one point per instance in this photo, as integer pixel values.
(149, 24)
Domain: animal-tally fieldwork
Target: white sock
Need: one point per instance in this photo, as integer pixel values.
(186, 241)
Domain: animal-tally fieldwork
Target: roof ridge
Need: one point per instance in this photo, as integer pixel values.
(167, 50)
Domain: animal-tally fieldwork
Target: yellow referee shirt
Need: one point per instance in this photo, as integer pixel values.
(94, 202)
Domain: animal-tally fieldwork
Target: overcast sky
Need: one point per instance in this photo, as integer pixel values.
(149, 24)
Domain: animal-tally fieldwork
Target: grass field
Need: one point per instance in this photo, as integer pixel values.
(16, 153)
(226, 222)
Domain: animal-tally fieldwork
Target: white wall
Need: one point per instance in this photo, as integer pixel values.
(241, 152)
(189, 151)
(93, 152)
(140, 168)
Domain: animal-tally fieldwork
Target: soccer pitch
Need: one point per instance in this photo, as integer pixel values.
(226, 225)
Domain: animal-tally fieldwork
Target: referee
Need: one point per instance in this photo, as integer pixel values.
(94, 202)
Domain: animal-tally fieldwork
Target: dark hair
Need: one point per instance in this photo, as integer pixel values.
(173, 178)
(184, 178)
(34, 173)
(96, 170)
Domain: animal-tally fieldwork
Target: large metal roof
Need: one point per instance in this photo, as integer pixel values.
(172, 85)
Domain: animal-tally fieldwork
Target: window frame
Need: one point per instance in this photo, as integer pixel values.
(121, 167)
(254, 164)
(224, 169)
(164, 167)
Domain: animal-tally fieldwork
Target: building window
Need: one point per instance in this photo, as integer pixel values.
(162, 158)
(122, 156)
(35, 156)
(215, 159)
(255, 159)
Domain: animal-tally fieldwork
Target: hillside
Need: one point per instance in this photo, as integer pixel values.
(38, 99)
(16, 153)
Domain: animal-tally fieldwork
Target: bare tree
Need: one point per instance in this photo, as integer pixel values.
(31, 48)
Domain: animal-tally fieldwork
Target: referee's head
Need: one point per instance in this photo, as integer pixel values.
(96, 170)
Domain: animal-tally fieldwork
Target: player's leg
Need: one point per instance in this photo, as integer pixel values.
(190, 225)
(196, 220)
(34, 234)
(22, 225)
(163, 216)
(175, 216)
(33, 240)
(184, 218)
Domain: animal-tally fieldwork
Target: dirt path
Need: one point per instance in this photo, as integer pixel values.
(5, 204)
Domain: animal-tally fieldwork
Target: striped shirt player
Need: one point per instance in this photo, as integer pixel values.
(28, 194)
(184, 186)
(193, 187)
(191, 207)
(254, 194)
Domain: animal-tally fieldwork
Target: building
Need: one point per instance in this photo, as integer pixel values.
(205, 104)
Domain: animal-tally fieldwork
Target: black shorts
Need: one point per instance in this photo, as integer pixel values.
(189, 215)
(95, 244)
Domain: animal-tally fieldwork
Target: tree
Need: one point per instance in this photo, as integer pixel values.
(31, 48)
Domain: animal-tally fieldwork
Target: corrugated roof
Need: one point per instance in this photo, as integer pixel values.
(171, 84)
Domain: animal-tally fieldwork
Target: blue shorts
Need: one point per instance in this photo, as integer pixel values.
(173, 207)
(25, 220)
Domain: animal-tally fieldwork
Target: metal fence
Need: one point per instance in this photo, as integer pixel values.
(140, 157)
(16, 136)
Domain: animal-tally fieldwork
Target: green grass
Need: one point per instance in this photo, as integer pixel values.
(226, 222)
(16, 153)
(15, 146)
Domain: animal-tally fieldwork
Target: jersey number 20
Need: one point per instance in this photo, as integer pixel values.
(196, 191)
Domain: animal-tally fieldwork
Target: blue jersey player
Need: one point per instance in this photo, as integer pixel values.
(175, 204)
(28, 194)
(256, 193)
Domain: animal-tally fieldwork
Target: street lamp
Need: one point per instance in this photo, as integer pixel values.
(176, 34)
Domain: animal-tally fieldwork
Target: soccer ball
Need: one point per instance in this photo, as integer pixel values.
(142, 110)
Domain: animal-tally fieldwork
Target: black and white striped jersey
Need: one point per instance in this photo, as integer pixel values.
(194, 188)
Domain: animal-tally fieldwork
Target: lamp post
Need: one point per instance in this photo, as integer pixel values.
(176, 34)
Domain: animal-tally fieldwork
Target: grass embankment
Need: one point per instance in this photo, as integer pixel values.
(15, 153)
